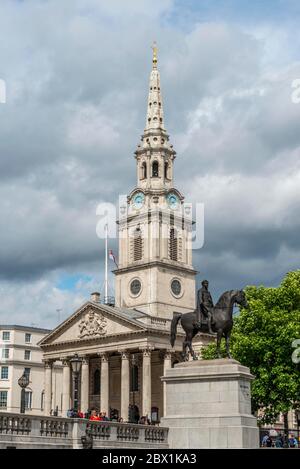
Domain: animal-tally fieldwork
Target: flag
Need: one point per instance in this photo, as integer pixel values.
(112, 257)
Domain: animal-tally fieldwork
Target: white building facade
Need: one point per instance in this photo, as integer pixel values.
(20, 353)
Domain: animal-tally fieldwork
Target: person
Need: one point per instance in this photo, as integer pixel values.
(94, 415)
(293, 443)
(279, 442)
(142, 421)
(269, 442)
(264, 440)
(80, 414)
(70, 413)
(204, 305)
(120, 420)
(104, 417)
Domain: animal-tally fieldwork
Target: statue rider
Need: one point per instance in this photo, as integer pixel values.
(204, 305)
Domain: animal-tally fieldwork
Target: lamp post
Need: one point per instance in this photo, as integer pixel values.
(23, 382)
(76, 363)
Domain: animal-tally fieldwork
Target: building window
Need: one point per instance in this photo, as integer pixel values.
(28, 399)
(144, 170)
(166, 170)
(173, 245)
(137, 245)
(27, 338)
(154, 414)
(4, 372)
(135, 287)
(5, 353)
(155, 169)
(27, 372)
(3, 399)
(5, 335)
(134, 382)
(176, 287)
(27, 355)
(97, 382)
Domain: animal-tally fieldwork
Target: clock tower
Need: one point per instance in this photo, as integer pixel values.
(155, 273)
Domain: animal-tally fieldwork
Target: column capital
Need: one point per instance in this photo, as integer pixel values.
(125, 354)
(104, 356)
(48, 363)
(85, 359)
(167, 354)
(146, 351)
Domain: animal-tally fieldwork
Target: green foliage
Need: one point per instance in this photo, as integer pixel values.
(262, 340)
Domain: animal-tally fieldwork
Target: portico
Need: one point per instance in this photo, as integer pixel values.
(122, 361)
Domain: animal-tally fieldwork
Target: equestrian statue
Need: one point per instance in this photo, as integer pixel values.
(208, 318)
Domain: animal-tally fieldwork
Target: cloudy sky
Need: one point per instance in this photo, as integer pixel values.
(77, 72)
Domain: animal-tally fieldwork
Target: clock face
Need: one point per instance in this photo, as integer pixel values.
(138, 200)
(173, 200)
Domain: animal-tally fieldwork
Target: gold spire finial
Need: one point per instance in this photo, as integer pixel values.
(154, 49)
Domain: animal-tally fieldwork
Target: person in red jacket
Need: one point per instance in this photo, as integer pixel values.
(94, 415)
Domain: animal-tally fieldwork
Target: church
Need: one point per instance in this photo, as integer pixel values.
(124, 346)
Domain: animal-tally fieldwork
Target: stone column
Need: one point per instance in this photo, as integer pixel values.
(48, 387)
(85, 388)
(104, 392)
(66, 388)
(167, 365)
(125, 384)
(146, 407)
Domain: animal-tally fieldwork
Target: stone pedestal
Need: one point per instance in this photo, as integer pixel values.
(208, 405)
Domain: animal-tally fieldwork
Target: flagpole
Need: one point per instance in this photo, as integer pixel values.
(106, 265)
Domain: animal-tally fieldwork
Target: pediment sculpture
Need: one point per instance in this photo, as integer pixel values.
(93, 324)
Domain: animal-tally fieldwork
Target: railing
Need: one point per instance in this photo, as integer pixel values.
(14, 425)
(55, 432)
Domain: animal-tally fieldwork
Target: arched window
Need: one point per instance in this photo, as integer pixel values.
(155, 169)
(96, 382)
(134, 382)
(144, 170)
(137, 245)
(166, 170)
(173, 245)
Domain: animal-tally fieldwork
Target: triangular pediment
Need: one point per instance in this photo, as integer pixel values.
(92, 321)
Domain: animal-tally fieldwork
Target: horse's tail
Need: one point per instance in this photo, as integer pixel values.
(175, 321)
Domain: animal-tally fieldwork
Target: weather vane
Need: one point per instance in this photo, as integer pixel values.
(154, 49)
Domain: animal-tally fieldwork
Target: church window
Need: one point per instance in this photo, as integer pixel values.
(144, 170)
(176, 287)
(166, 170)
(137, 245)
(135, 286)
(96, 382)
(155, 169)
(173, 245)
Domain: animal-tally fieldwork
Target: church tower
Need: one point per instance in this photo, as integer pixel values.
(155, 273)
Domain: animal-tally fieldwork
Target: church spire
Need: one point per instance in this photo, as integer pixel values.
(155, 117)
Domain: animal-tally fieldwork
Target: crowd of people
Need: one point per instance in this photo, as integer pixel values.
(279, 441)
(95, 415)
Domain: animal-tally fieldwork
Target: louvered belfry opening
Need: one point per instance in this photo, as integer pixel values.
(173, 245)
(138, 245)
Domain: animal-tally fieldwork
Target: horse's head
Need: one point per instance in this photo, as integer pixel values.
(240, 299)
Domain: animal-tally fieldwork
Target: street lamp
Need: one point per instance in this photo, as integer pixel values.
(23, 382)
(76, 363)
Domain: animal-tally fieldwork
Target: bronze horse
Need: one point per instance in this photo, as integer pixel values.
(222, 322)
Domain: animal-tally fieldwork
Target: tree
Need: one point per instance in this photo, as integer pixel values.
(263, 338)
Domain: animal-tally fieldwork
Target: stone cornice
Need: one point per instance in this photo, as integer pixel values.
(158, 263)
